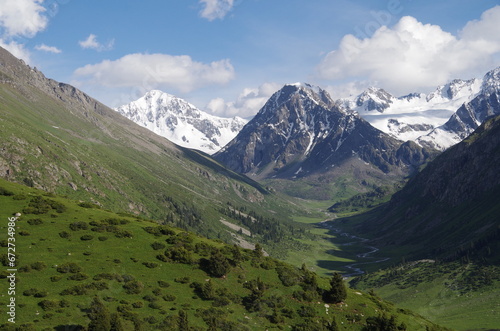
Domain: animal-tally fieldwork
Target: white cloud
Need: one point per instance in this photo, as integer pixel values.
(248, 103)
(92, 43)
(22, 17)
(216, 9)
(155, 71)
(411, 55)
(50, 49)
(16, 49)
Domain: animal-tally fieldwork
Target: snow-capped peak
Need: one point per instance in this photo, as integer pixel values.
(374, 99)
(491, 81)
(181, 122)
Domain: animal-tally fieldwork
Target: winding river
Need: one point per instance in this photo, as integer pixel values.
(354, 269)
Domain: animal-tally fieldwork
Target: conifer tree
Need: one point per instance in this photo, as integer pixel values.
(219, 264)
(337, 292)
(100, 318)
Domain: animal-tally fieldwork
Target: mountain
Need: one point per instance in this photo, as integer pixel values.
(469, 116)
(57, 138)
(301, 132)
(450, 209)
(416, 115)
(181, 122)
(440, 235)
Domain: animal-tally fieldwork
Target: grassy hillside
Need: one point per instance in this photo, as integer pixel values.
(78, 264)
(462, 296)
(56, 138)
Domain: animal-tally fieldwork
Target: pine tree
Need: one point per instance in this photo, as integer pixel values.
(116, 323)
(183, 321)
(208, 291)
(258, 252)
(337, 292)
(100, 319)
(219, 264)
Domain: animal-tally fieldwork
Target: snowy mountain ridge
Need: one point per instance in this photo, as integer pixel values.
(415, 115)
(181, 122)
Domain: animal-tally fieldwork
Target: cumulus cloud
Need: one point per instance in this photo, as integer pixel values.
(412, 55)
(16, 49)
(155, 71)
(22, 17)
(216, 9)
(248, 103)
(92, 43)
(50, 49)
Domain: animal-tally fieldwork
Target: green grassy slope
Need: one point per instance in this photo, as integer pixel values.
(151, 277)
(56, 138)
(462, 296)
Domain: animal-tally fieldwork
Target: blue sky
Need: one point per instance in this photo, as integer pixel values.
(228, 56)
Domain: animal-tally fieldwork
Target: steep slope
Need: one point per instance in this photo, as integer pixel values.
(451, 208)
(56, 138)
(301, 133)
(72, 257)
(181, 122)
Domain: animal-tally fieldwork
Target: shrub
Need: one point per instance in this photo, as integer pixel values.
(78, 276)
(150, 264)
(169, 297)
(163, 283)
(64, 234)
(80, 225)
(157, 245)
(69, 267)
(182, 280)
(38, 265)
(133, 287)
(138, 304)
(102, 238)
(55, 278)
(48, 304)
(5, 192)
(88, 205)
(35, 221)
(86, 237)
(306, 311)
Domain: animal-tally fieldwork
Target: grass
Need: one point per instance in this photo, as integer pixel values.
(127, 258)
(439, 293)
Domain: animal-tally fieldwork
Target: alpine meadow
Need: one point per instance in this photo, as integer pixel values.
(346, 203)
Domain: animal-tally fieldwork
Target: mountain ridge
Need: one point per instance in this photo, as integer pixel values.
(181, 122)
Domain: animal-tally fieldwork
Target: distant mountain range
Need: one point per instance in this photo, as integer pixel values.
(427, 119)
(181, 122)
(440, 119)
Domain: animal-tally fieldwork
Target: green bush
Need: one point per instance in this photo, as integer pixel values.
(133, 287)
(69, 267)
(5, 192)
(35, 221)
(169, 297)
(64, 234)
(157, 245)
(86, 237)
(79, 225)
(48, 304)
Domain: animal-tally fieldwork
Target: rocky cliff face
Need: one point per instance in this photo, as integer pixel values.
(300, 131)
